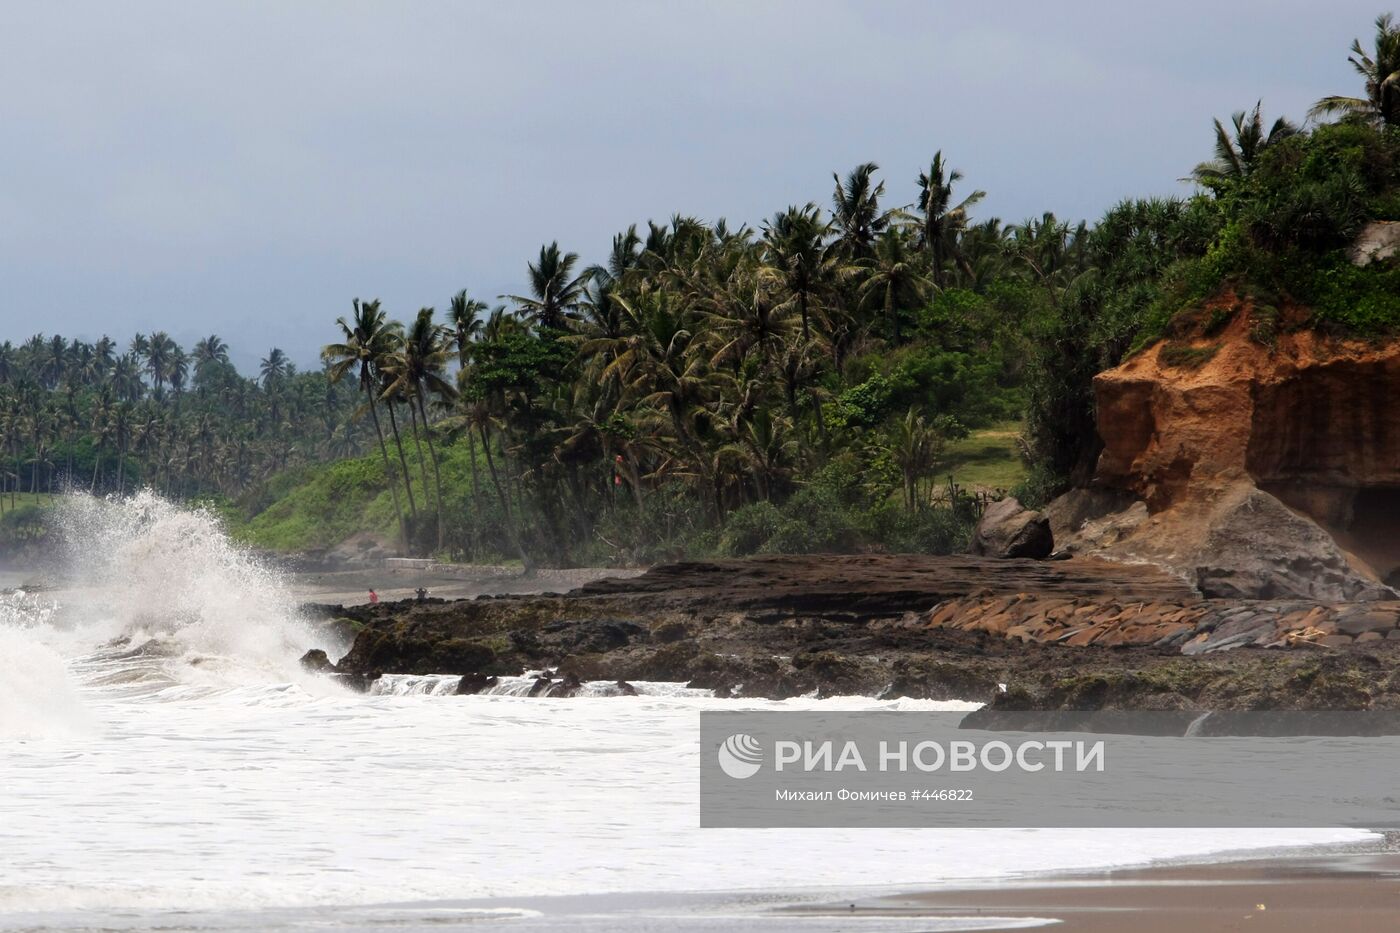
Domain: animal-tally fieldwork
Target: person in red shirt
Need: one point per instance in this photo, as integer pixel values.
(373, 598)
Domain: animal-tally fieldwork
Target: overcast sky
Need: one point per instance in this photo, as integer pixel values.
(248, 168)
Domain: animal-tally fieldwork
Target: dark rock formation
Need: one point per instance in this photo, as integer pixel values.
(316, 661)
(590, 635)
(475, 683)
(1058, 633)
(1008, 529)
(1257, 548)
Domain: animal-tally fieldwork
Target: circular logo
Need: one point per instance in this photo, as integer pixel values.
(740, 756)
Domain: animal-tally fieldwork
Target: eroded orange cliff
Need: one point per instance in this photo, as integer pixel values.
(1237, 432)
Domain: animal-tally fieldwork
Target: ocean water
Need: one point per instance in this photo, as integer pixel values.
(167, 765)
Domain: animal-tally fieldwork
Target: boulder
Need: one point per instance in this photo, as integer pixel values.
(316, 661)
(1258, 548)
(471, 684)
(1087, 518)
(1009, 529)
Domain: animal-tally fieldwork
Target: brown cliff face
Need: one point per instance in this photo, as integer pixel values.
(1200, 419)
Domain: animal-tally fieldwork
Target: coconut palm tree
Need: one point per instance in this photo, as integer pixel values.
(416, 370)
(210, 350)
(794, 241)
(464, 317)
(1381, 72)
(100, 428)
(747, 314)
(160, 353)
(1235, 157)
(273, 369)
(894, 273)
(121, 436)
(9, 363)
(856, 213)
(914, 447)
(940, 220)
(554, 290)
(368, 339)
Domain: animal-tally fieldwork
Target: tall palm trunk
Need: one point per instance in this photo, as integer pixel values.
(504, 500)
(388, 471)
(423, 462)
(471, 451)
(437, 470)
(891, 321)
(121, 470)
(403, 462)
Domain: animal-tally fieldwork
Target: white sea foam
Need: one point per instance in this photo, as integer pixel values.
(190, 764)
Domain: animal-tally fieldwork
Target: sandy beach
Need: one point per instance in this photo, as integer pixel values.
(1340, 893)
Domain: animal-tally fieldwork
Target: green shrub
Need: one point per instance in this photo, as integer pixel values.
(748, 529)
(1185, 356)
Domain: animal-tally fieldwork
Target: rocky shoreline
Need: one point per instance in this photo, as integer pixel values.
(1020, 634)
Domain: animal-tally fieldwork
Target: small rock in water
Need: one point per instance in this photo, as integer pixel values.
(316, 661)
(566, 687)
(474, 683)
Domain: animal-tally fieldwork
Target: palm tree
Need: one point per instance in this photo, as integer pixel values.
(765, 447)
(100, 425)
(794, 240)
(121, 436)
(368, 339)
(856, 210)
(415, 370)
(179, 374)
(8, 363)
(54, 362)
(1381, 73)
(893, 274)
(209, 350)
(659, 369)
(914, 447)
(940, 220)
(273, 369)
(103, 356)
(159, 358)
(464, 317)
(1235, 158)
(553, 292)
(126, 378)
(747, 314)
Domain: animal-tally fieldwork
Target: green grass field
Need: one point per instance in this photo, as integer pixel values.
(986, 459)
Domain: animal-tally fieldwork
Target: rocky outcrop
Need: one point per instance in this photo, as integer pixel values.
(1009, 529)
(1256, 548)
(1266, 460)
(317, 662)
(877, 625)
(1379, 240)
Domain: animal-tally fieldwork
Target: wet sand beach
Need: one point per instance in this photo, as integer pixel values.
(1338, 893)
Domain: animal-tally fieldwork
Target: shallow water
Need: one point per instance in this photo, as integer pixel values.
(167, 765)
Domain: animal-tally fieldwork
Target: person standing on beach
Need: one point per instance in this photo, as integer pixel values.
(373, 598)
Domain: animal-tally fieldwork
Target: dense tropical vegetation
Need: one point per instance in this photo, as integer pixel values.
(719, 388)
